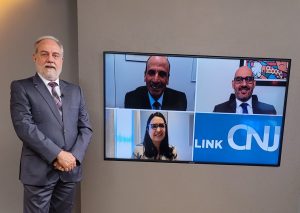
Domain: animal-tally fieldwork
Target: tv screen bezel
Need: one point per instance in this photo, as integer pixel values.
(286, 85)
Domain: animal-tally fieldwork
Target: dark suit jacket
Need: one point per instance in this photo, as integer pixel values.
(258, 107)
(38, 124)
(138, 99)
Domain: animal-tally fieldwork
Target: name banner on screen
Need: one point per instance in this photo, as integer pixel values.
(237, 138)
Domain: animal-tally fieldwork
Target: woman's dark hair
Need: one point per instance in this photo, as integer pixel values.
(164, 149)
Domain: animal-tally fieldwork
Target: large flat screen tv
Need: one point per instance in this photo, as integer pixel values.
(194, 108)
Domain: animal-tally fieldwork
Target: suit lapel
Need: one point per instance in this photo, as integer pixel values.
(255, 106)
(69, 101)
(167, 102)
(42, 89)
(232, 104)
(64, 92)
(232, 107)
(147, 103)
(144, 100)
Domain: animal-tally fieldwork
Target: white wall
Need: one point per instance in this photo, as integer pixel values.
(203, 27)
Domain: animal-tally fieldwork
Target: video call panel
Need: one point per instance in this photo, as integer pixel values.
(199, 118)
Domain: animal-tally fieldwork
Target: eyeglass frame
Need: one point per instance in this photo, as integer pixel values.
(160, 125)
(240, 79)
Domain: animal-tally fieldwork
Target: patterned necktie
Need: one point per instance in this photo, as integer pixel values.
(244, 107)
(55, 96)
(156, 105)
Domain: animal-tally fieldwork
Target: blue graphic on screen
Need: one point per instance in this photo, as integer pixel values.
(124, 134)
(237, 138)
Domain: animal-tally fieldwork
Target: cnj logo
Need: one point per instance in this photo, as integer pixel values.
(251, 135)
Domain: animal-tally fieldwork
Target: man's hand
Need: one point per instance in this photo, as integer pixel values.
(65, 161)
(58, 166)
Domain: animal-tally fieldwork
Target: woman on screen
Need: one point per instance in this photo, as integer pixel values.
(156, 141)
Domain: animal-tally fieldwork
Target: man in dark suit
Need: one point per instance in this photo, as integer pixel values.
(243, 101)
(156, 95)
(50, 118)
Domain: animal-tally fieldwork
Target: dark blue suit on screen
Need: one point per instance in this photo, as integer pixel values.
(258, 107)
(172, 99)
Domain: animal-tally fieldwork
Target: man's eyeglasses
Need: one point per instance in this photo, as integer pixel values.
(161, 74)
(155, 126)
(240, 79)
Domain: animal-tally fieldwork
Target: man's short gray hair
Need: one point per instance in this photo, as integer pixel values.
(48, 37)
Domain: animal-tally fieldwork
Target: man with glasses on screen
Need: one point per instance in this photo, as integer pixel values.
(243, 102)
(155, 95)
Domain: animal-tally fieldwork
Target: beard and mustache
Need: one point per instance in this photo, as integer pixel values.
(156, 89)
(244, 93)
(157, 86)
